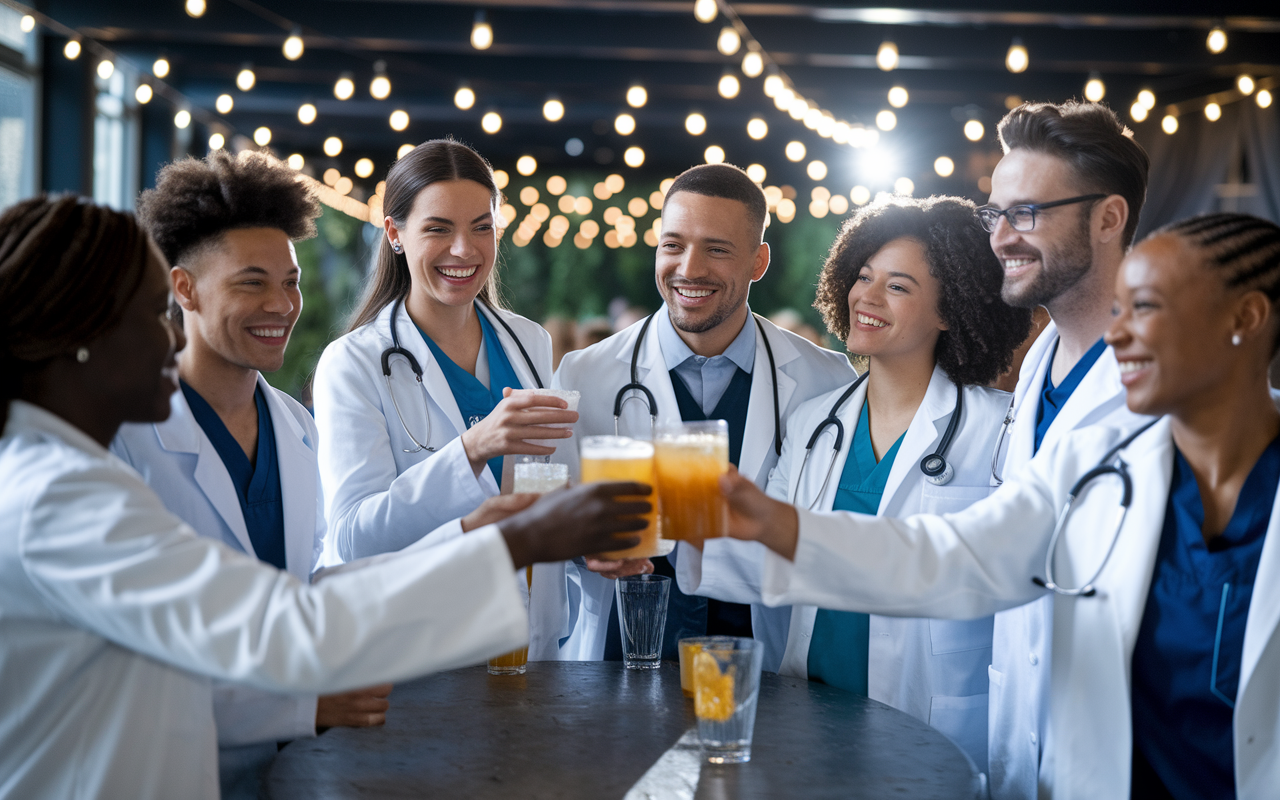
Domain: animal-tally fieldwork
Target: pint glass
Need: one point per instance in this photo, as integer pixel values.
(690, 458)
(618, 458)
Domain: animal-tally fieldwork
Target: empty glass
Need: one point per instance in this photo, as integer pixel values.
(642, 618)
(726, 681)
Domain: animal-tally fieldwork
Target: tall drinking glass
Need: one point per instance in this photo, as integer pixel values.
(726, 681)
(689, 649)
(532, 475)
(619, 458)
(642, 618)
(690, 458)
(570, 396)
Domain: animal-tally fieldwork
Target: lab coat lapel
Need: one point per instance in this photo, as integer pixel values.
(758, 438)
(1098, 394)
(1022, 433)
(182, 434)
(924, 430)
(1264, 608)
(298, 484)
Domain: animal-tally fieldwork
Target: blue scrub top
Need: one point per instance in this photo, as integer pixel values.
(257, 484)
(1187, 659)
(1053, 398)
(841, 639)
(475, 400)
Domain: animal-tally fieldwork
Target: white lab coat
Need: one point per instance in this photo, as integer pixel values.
(179, 463)
(982, 559)
(115, 615)
(1022, 642)
(380, 498)
(935, 670)
(598, 372)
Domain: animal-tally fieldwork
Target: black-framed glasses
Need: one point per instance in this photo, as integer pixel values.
(1023, 218)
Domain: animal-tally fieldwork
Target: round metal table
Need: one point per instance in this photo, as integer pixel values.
(593, 730)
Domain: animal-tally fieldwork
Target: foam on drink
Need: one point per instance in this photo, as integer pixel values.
(619, 458)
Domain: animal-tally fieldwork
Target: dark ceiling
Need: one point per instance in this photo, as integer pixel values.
(588, 52)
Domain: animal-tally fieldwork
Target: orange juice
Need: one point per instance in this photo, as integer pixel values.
(618, 458)
(690, 460)
(689, 649)
(512, 663)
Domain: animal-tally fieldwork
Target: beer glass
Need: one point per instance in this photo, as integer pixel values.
(619, 458)
(690, 457)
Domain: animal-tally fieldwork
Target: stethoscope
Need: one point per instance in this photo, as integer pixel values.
(1105, 467)
(1004, 431)
(621, 398)
(396, 350)
(935, 467)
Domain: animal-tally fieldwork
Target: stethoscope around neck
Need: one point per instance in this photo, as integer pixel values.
(396, 350)
(937, 470)
(651, 402)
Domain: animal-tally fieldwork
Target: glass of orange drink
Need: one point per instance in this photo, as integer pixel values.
(619, 458)
(689, 458)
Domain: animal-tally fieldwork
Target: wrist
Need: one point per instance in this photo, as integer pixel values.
(782, 533)
(471, 449)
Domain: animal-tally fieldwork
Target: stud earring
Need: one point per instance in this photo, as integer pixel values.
(82, 355)
(1235, 339)
(396, 246)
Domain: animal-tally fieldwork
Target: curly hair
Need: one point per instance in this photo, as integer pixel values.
(982, 331)
(197, 200)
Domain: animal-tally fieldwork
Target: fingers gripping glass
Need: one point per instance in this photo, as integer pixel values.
(1023, 218)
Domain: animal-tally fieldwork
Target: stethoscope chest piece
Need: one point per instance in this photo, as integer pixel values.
(937, 470)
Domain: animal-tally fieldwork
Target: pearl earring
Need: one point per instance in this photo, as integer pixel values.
(82, 355)
(1235, 339)
(396, 246)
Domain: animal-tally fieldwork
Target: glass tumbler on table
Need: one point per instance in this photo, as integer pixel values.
(726, 681)
(689, 649)
(690, 457)
(642, 618)
(619, 458)
(532, 475)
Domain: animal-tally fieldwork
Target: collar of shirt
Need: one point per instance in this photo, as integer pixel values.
(706, 378)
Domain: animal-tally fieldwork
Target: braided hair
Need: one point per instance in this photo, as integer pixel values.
(68, 269)
(1244, 247)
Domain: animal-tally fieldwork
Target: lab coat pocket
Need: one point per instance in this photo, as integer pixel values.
(957, 636)
(964, 721)
(949, 499)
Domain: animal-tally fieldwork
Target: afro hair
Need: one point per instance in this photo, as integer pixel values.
(197, 200)
(982, 331)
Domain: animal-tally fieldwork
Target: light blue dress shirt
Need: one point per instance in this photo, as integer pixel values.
(706, 378)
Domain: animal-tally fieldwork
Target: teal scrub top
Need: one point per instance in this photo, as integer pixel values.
(838, 648)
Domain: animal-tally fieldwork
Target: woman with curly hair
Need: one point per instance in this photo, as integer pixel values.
(912, 286)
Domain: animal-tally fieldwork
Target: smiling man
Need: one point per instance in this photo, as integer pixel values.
(1063, 209)
(703, 355)
(236, 459)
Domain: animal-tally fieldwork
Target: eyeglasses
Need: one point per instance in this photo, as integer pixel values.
(1023, 218)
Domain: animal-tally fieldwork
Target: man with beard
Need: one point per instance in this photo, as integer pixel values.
(703, 355)
(1063, 209)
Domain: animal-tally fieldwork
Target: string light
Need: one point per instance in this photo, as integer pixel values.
(728, 86)
(1169, 124)
(296, 161)
(1263, 98)
(817, 170)
(1017, 59)
(246, 78)
(728, 41)
(1138, 111)
(481, 32)
(526, 166)
(757, 173)
(364, 167)
(144, 93)
(306, 113)
(904, 186)
(491, 122)
(182, 119)
(332, 147)
(380, 86)
(160, 68)
(633, 157)
(774, 85)
(1217, 40)
(344, 87)
(465, 97)
(1095, 90)
(1147, 98)
(752, 63)
(625, 124)
(399, 119)
(27, 24)
(757, 128)
(705, 10)
(795, 151)
(556, 185)
(860, 195)
(499, 177)
(106, 68)
(637, 96)
(224, 104)
(695, 124)
(294, 46)
(944, 166)
(1213, 112)
(195, 8)
(886, 120)
(217, 141)
(973, 130)
(71, 49)
(1245, 84)
(552, 110)
(262, 136)
(898, 96)
(714, 154)
(812, 116)
(887, 56)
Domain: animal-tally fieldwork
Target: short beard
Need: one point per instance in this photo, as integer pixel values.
(716, 319)
(1060, 270)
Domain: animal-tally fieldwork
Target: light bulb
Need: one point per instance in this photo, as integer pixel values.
(757, 173)
(1147, 98)
(364, 167)
(491, 122)
(973, 130)
(816, 170)
(71, 50)
(887, 56)
(1138, 111)
(637, 96)
(886, 120)
(144, 93)
(160, 68)
(195, 8)
(217, 141)
(728, 41)
(944, 166)
(296, 161)
(1263, 98)
(705, 10)
(1213, 112)
(898, 96)
(1095, 90)
(481, 32)
(406, 149)
(380, 87)
(695, 124)
(246, 79)
(714, 154)
(1245, 84)
(224, 104)
(633, 157)
(27, 24)
(306, 113)
(1216, 41)
(773, 85)
(294, 46)
(1017, 59)
(106, 69)
(728, 86)
(1169, 124)
(757, 128)
(553, 110)
(812, 116)
(795, 151)
(344, 88)
(332, 146)
(464, 98)
(182, 119)
(399, 119)
(904, 186)
(527, 165)
(752, 64)
(625, 124)
(262, 136)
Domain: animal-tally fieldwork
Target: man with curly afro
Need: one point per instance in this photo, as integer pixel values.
(236, 458)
